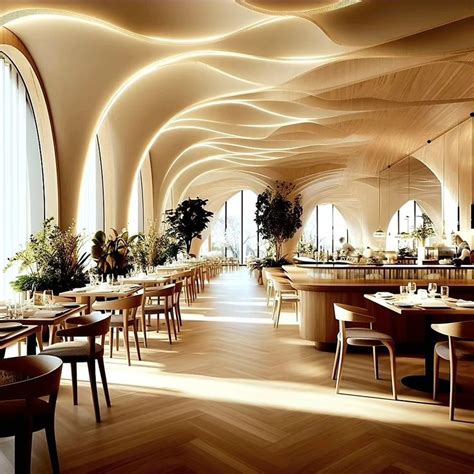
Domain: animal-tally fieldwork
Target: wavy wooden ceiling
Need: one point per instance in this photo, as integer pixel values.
(225, 94)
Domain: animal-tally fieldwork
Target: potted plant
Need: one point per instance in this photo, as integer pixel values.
(152, 248)
(111, 254)
(278, 214)
(52, 260)
(188, 220)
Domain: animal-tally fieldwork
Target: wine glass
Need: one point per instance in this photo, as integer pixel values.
(444, 290)
(432, 288)
(403, 291)
(411, 287)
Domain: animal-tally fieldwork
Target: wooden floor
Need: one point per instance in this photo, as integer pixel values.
(236, 395)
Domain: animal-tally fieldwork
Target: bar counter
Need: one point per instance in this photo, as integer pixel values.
(318, 295)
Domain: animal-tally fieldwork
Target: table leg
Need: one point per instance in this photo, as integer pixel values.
(424, 383)
(2, 353)
(31, 344)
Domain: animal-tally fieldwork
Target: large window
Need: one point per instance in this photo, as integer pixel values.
(91, 201)
(135, 211)
(22, 208)
(405, 220)
(324, 228)
(234, 231)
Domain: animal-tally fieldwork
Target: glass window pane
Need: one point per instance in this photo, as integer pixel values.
(233, 226)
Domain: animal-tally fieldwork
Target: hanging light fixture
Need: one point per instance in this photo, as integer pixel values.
(379, 233)
(443, 198)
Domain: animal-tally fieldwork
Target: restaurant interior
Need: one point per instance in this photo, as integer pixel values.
(236, 236)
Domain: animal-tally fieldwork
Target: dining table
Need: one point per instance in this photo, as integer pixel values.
(39, 317)
(12, 335)
(431, 310)
(88, 294)
(148, 280)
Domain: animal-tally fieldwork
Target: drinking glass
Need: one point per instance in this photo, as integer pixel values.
(432, 288)
(444, 290)
(403, 291)
(47, 298)
(110, 280)
(120, 279)
(411, 287)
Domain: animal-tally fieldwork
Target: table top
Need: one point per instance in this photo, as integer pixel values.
(47, 317)
(451, 308)
(11, 337)
(115, 291)
(147, 279)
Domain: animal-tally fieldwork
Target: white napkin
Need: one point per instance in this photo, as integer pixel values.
(465, 304)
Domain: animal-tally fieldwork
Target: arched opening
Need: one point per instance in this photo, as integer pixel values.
(136, 216)
(234, 231)
(22, 196)
(91, 215)
(324, 230)
(405, 220)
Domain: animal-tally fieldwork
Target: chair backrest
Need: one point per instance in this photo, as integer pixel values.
(120, 304)
(458, 330)
(167, 292)
(90, 325)
(33, 377)
(352, 314)
(62, 299)
(282, 284)
(178, 287)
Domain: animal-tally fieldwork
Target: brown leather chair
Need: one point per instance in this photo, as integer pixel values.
(459, 346)
(77, 351)
(22, 411)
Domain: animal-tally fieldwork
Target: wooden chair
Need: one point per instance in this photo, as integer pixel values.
(22, 411)
(459, 346)
(360, 336)
(178, 288)
(283, 292)
(149, 307)
(74, 352)
(126, 318)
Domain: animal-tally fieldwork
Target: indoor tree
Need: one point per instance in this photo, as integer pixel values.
(188, 220)
(278, 214)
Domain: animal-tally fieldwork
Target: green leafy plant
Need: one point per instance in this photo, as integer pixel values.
(425, 230)
(152, 248)
(111, 254)
(278, 216)
(52, 260)
(188, 220)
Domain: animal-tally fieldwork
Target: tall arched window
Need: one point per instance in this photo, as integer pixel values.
(22, 206)
(324, 228)
(234, 231)
(135, 211)
(404, 221)
(91, 217)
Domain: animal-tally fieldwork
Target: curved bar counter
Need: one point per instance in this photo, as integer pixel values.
(318, 293)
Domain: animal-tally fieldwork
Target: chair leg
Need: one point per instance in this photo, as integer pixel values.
(126, 343)
(135, 335)
(168, 326)
(278, 311)
(144, 329)
(393, 366)
(23, 443)
(336, 359)
(342, 354)
(111, 342)
(39, 340)
(452, 386)
(93, 381)
(173, 323)
(100, 363)
(376, 362)
(435, 375)
(296, 310)
(117, 333)
(74, 382)
(53, 450)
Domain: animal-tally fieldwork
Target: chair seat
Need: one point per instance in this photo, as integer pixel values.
(13, 411)
(365, 337)
(464, 350)
(154, 308)
(289, 297)
(72, 351)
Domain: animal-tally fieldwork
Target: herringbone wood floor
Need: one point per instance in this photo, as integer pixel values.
(235, 395)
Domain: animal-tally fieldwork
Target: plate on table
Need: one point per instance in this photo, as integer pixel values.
(403, 304)
(386, 295)
(433, 304)
(465, 304)
(71, 305)
(10, 326)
